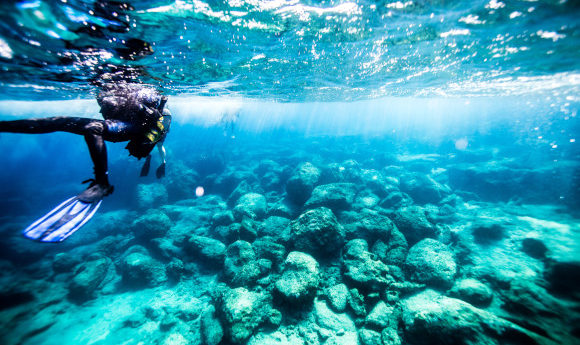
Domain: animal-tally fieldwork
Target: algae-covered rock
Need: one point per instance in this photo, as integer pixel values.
(251, 205)
(337, 296)
(370, 225)
(363, 269)
(153, 224)
(267, 248)
(276, 338)
(300, 185)
(341, 326)
(336, 196)
(212, 252)
(369, 337)
(430, 318)
(318, 233)
(210, 328)
(299, 279)
(87, 278)
(381, 316)
(151, 195)
(277, 228)
(240, 266)
(413, 223)
(394, 250)
(140, 270)
(472, 291)
(431, 262)
(224, 218)
(241, 312)
(423, 188)
(64, 262)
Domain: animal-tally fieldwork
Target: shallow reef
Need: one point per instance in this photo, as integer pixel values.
(328, 243)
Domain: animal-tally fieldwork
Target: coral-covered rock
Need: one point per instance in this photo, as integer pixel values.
(340, 327)
(413, 223)
(210, 328)
(432, 263)
(336, 196)
(337, 297)
(394, 250)
(300, 185)
(363, 269)
(151, 225)
(266, 248)
(240, 267)
(87, 278)
(472, 291)
(211, 251)
(251, 205)
(370, 225)
(381, 316)
(140, 270)
(423, 188)
(317, 232)
(241, 311)
(299, 279)
(430, 318)
(277, 228)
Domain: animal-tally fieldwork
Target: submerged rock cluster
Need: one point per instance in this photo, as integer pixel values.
(307, 250)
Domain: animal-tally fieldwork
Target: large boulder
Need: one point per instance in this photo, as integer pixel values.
(413, 223)
(430, 318)
(363, 269)
(302, 182)
(423, 188)
(336, 196)
(88, 277)
(153, 224)
(241, 311)
(370, 225)
(211, 330)
(432, 263)
(240, 267)
(251, 205)
(472, 291)
(339, 328)
(140, 270)
(337, 297)
(394, 250)
(317, 232)
(277, 228)
(299, 279)
(211, 251)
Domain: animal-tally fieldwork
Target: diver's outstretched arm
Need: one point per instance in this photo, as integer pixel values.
(91, 129)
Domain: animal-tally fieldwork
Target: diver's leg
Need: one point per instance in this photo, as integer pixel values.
(76, 125)
(98, 151)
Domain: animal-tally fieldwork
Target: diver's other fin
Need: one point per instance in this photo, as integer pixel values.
(62, 221)
(145, 168)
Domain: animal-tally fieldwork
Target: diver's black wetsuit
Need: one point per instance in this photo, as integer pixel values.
(132, 113)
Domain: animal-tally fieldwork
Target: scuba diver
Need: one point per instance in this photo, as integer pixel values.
(131, 112)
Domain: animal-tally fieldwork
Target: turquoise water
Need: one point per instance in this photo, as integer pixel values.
(338, 172)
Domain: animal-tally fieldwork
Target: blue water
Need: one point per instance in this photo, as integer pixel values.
(452, 123)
